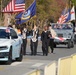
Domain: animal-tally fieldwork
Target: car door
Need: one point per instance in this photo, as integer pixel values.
(15, 44)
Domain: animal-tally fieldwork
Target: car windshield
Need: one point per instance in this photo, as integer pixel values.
(4, 34)
(62, 26)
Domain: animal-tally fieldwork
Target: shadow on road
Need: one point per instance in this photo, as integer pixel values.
(61, 47)
(38, 54)
(5, 63)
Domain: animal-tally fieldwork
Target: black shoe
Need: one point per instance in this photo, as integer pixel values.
(51, 52)
(46, 54)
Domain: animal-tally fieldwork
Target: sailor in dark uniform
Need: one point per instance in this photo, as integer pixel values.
(34, 40)
(45, 40)
(24, 36)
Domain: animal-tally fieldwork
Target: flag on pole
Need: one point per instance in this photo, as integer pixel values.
(65, 16)
(27, 14)
(72, 12)
(15, 6)
(68, 16)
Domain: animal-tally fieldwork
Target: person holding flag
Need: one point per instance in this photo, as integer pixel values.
(34, 40)
(24, 37)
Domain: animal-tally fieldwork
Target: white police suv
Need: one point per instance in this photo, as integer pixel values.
(10, 45)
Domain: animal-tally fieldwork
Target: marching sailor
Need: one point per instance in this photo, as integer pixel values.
(34, 40)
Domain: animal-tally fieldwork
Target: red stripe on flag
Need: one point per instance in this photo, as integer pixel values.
(12, 7)
(72, 12)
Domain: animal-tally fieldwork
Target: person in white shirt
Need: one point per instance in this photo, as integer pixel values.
(34, 40)
(53, 33)
(24, 37)
(51, 41)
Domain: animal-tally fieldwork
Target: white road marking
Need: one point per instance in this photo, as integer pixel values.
(37, 64)
(16, 63)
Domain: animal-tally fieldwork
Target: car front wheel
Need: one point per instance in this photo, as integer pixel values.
(10, 57)
(69, 44)
(72, 44)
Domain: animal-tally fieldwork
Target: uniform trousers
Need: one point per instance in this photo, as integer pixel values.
(33, 46)
(51, 44)
(24, 46)
(45, 45)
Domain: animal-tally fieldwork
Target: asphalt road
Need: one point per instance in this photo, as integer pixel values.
(35, 62)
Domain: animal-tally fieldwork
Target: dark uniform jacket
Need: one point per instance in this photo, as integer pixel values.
(45, 36)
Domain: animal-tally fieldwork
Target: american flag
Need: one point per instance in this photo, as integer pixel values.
(15, 6)
(64, 16)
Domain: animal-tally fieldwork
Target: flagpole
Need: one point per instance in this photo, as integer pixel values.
(69, 3)
(1, 8)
